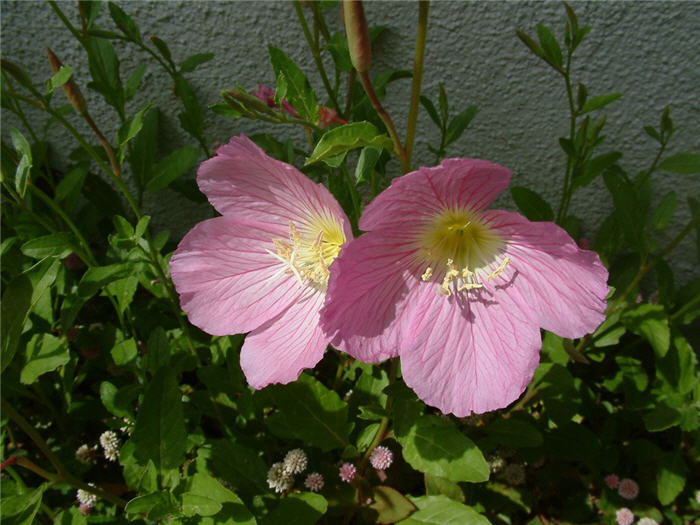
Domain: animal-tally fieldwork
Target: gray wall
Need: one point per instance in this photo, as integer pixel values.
(646, 50)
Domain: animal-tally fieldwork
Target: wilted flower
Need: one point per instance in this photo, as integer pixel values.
(457, 291)
(295, 461)
(87, 498)
(110, 445)
(314, 482)
(267, 95)
(612, 481)
(278, 479)
(628, 488)
(328, 116)
(381, 458)
(624, 516)
(263, 266)
(85, 454)
(347, 472)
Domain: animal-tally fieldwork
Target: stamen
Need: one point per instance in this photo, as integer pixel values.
(427, 274)
(500, 269)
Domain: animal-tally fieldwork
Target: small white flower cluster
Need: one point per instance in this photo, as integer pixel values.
(110, 445)
(87, 498)
(128, 427)
(280, 477)
(86, 454)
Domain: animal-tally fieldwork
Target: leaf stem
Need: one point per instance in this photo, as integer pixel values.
(423, 6)
(567, 190)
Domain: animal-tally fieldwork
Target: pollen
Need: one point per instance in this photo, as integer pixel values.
(310, 249)
(460, 251)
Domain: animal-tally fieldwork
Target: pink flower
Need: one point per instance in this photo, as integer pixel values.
(262, 267)
(457, 291)
(381, 458)
(628, 488)
(347, 472)
(612, 481)
(267, 95)
(624, 516)
(314, 482)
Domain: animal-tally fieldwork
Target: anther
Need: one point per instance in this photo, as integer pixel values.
(500, 269)
(427, 274)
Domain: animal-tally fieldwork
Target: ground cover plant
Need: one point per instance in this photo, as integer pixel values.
(351, 337)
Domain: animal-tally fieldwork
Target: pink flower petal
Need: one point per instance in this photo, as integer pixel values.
(227, 281)
(471, 355)
(244, 181)
(563, 287)
(279, 350)
(367, 291)
(420, 195)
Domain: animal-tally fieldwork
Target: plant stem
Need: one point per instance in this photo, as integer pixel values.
(105, 144)
(351, 86)
(372, 95)
(423, 6)
(566, 190)
(384, 423)
(316, 54)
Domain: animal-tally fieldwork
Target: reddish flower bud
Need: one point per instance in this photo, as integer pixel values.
(358, 35)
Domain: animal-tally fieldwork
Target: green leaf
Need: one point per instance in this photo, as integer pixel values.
(337, 46)
(20, 509)
(159, 434)
(192, 118)
(432, 112)
(550, 46)
(240, 466)
(670, 478)
(390, 505)
(514, 433)
(650, 321)
(531, 204)
(129, 130)
(599, 102)
(684, 163)
(340, 140)
(436, 446)
(118, 401)
(661, 417)
(124, 22)
(442, 103)
(98, 276)
(595, 167)
(45, 353)
(162, 48)
(172, 167)
(156, 505)
(52, 245)
(298, 89)
(653, 133)
(144, 148)
(59, 78)
(125, 352)
(435, 485)
(104, 69)
(459, 123)
(205, 496)
(664, 211)
(440, 510)
(308, 411)
(25, 163)
(299, 508)
(68, 190)
(123, 290)
(529, 42)
(191, 63)
(627, 210)
(365, 164)
(133, 82)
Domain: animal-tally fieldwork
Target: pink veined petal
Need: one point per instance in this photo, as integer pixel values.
(470, 355)
(279, 350)
(227, 281)
(244, 181)
(420, 195)
(563, 287)
(367, 292)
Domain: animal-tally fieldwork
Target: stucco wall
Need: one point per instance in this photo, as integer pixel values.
(646, 50)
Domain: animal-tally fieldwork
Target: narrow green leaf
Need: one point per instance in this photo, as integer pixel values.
(53, 245)
(550, 46)
(298, 89)
(627, 210)
(45, 353)
(442, 103)
(162, 48)
(459, 123)
(664, 211)
(128, 130)
(191, 63)
(192, 118)
(133, 82)
(529, 42)
(58, 79)
(365, 164)
(594, 167)
(124, 22)
(144, 148)
(531, 204)
(340, 140)
(599, 102)
(98, 276)
(653, 133)
(25, 162)
(432, 112)
(104, 69)
(68, 190)
(684, 163)
(172, 167)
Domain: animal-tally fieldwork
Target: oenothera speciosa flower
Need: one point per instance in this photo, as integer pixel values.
(457, 291)
(263, 265)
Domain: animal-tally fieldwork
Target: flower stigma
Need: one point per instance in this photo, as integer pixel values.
(460, 251)
(310, 250)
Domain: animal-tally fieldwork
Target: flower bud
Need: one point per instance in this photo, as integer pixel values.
(73, 94)
(358, 35)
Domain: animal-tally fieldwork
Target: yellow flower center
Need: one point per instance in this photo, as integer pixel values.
(459, 250)
(309, 250)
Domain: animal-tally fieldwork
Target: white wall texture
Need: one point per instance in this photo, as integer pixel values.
(649, 51)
